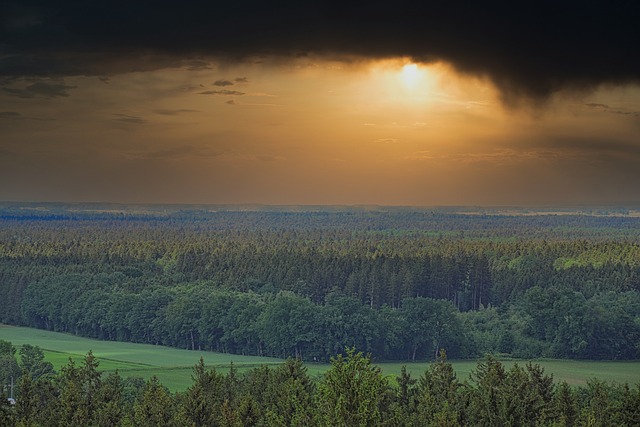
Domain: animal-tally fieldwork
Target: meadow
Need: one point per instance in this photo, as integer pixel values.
(174, 366)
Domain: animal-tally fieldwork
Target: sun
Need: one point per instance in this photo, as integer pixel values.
(410, 75)
(400, 81)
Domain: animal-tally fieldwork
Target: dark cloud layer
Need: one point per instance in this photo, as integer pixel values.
(528, 49)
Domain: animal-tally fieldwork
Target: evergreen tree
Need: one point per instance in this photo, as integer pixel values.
(437, 395)
(155, 407)
(110, 405)
(28, 403)
(202, 402)
(352, 393)
(565, 405)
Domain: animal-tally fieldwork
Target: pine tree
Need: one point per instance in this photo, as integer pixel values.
(352, 393)
(202, 401)
(565, 407)
(155, 407)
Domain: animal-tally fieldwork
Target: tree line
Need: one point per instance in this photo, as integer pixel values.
(352, 392)
(396, 283)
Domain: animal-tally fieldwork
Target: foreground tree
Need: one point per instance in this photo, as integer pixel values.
(79, 386)
(32, 362)
(202, 402)
(352, 393)
(285, 394)
(155, 407)
(438, 396)
(9, 369)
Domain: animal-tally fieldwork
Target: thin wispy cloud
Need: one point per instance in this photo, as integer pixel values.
(269, 158)
(611, 110)
(126, 118)
(223, 83)
(40, 89)
(178, 153)
(165, 112)
(197, 65)
(14, 115)
(225, 92)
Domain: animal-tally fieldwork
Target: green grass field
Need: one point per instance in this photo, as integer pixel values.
(574, 372)
(174, 366)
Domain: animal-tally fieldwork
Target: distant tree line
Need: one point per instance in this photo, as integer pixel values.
(352, 392)
(399, 284)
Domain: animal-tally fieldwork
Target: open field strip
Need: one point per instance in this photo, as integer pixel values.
(574, 372)
(174, 366)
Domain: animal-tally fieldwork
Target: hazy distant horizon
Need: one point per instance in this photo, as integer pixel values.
(90, 205)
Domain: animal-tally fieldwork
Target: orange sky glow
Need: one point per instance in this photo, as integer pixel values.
(314, 130)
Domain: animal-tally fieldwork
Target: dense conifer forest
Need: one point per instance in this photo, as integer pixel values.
(400, 284)
(352, 392)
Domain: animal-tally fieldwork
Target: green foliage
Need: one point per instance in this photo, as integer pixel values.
(352, 392)
(565, 406)
(515, 397)
(309, 284)
(32, 362)
(79, 387)
(7, 415)
(438, 396)
(202, 402)
(9, 369)
(155, 407)
(283, 394)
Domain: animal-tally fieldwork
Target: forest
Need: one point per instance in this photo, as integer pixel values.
(309, 283)
(352, 392)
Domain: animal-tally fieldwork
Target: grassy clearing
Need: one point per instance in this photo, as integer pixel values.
(174, 366)
(574, 372)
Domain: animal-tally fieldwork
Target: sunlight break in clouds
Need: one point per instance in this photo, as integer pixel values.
(411, 75)
(365, 132)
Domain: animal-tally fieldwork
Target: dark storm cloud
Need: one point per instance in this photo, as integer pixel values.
(529, 49)
(241, 80)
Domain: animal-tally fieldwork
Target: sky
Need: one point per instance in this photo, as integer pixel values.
(386, 103)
